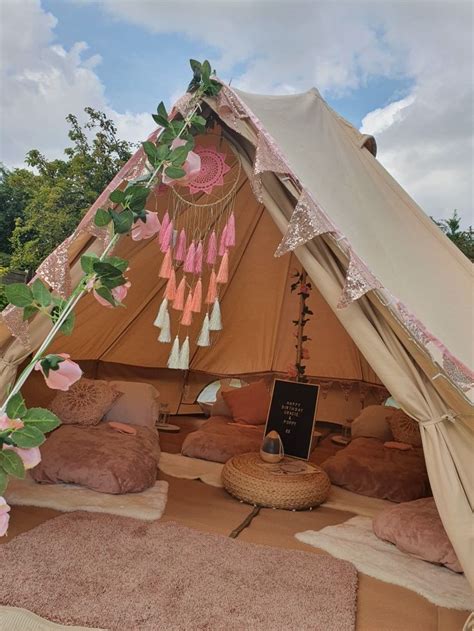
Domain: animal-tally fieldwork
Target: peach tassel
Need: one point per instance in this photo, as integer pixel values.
(223, 273)
(189, 262)
(230, 231)
(222, 242)
(188, 312)
(197, 297)
(179, 297)
(170, 291)
(212, 291)
(166, 265)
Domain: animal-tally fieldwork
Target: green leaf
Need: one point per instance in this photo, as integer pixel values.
(175, 173)
(206, 71)
(136, 196)
(3, 481)
(105, 269)
(161, 110)
(195, 66)
(122, 221)
(117, 196)
(106, 294)
(112, 281)
(19, 294)
(50, 362)
(178, 156)
(160, 120)
(117, 262)
(162, 152)
(11, 463)
(27, 437)
(67, 326)
(16, 407)
(42, 419)
(150, 150)
(87, 262)
(41, 293)
(102, 217)
(29, 311)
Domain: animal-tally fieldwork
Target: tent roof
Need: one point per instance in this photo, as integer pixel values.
(403, 247)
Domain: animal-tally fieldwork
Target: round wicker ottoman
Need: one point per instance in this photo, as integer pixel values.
(291, 484)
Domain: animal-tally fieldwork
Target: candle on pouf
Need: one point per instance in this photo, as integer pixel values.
(272, 448)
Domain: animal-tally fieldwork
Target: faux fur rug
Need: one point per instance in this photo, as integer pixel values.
(122, 574)
(355, 541)
(17, 619)
(149, 505)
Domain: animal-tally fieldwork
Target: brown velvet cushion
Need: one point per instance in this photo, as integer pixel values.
(249, 404)
(365, 466)
(100, 458)
(220, 407)
(373, 422)
(219, 439)
(416, 528)
(86, 402)
(405, 429)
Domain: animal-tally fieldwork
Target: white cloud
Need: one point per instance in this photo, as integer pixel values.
(382, 118)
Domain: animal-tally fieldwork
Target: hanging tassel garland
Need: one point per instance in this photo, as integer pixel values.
(211, 248)
(215, 323)
(189, 262)
(178, 302)
(223, 273)
(166, 265)
(197, 297)
(222, 246)
(212, 290)
(204, 338)
(230, 231)
(180, 251)
(173, 359)
(165, 334)
(170, 291)
(188, 313)
(198, 259)
(161, 313)
(184, 355)
(174, 238)
(164, 226)
(167, 236)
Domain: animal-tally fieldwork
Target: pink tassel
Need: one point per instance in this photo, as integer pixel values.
(167, 236)
(166, 265)
(170, 291)
(179, 297)
(198, 259)
(164, 225)
(222, 241)
(230, 231)
(211, 248)
(197, 297)
(223, 273)
(189, 261)
(188, 312)
(180, 251)
(212, 290)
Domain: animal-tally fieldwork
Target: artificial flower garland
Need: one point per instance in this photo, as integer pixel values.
(303, 288)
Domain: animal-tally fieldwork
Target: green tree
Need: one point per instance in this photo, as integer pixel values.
(464, 239)
(51, 199)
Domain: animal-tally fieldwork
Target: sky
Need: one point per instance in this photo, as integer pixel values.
(401, 70)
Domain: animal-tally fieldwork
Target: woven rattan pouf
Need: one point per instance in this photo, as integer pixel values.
(291, 484)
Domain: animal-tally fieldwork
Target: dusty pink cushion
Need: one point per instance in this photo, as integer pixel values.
(416, 528)
(249, 404)
(373, 422)
(85, 403)
(138, 404)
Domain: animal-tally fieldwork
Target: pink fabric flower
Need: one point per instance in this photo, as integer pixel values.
(304, 288)
(192, 166)
(10, 423)
(4, 516)
(291, 371)
(146, 229)
(119, 293)
(305, 353)
(30, 457)
(67, 373)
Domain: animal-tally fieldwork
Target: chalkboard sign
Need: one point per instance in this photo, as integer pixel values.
(292, 414)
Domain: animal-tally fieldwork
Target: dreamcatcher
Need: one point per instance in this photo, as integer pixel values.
(197, 232)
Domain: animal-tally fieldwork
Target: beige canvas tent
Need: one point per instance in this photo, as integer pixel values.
(392, 297)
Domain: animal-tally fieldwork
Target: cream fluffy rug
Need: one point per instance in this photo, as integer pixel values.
(180, 466)
(16, 619)
(122, 574)
(355, 541)
(148, 505)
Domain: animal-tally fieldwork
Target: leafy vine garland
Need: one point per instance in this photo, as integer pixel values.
(303, 288)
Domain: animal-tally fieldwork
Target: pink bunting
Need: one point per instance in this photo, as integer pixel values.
(166, 265)
(223, 273)
(180, 251)
(197, 297)
(189, 261)
(188, 313)
(212, 290)
(211, 248)
(179, 297)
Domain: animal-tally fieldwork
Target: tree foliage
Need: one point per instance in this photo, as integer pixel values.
(464, 239)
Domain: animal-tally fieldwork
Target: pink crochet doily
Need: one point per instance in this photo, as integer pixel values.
(213, 169)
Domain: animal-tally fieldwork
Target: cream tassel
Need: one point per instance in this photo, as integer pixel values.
(160, 318)
(215, 323)
(173, 360)
(184, 355)
(204, 338)
(165, 334)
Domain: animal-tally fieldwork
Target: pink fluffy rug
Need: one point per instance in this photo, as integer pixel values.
(113, 572)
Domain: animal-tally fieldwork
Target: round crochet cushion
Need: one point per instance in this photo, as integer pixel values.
(405, 429)
(291, 484)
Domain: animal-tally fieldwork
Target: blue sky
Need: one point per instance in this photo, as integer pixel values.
(399, 70)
